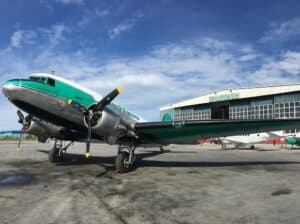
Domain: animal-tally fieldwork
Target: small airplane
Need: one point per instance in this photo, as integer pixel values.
(293, 139)
(60, 109)
(249, 139)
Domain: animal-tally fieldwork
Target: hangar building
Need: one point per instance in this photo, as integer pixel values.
(269, 102)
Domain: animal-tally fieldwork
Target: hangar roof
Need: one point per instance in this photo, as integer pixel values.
(233, 94)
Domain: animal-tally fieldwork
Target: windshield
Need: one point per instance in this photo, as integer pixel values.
(39, 79)
(45, 80)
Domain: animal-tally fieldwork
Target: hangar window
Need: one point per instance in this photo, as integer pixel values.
(287, 110)
(297, 109)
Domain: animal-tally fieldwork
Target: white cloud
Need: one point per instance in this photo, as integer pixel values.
(124, 26)
(91, 15)
(84, 21)
(55, 34)
(166, 74)
(20, 37)
(68, 2)
(9, 116)
(249, 57)
(47, 5)
(282, 70)
(283, 31)
(120, 28)
(102, 12)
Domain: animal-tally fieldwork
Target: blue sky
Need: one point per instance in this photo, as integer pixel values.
(159, 51)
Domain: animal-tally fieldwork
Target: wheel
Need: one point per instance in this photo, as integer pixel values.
(122, 165)
(161, 149)
(252, 147)
(54, 156)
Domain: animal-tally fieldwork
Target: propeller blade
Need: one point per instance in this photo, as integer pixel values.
(20, 139)
(28, 119)
(89, 115)
(89, 134)
(107, 99)
(25, 121)
(21, 116)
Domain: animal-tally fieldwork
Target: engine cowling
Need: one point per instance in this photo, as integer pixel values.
(111, 125)
(43, 130)
(104, 123)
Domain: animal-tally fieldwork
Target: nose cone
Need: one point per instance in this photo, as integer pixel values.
(291, 140)
(9, 87)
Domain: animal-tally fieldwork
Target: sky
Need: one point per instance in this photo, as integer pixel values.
(160, 52)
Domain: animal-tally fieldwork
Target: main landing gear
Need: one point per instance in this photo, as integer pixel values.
(125, 158)
(57, 152)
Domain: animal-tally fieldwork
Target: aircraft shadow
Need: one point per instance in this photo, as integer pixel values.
(108, 162)
(78, 159)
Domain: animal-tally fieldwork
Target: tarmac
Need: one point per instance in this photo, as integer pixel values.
(185, 184)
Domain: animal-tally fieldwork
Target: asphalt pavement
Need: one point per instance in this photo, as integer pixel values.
(185, 184)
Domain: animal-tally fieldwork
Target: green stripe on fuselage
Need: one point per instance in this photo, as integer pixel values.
(60, 90)
(65, 91)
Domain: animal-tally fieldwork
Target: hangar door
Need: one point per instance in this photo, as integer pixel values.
(220, 111)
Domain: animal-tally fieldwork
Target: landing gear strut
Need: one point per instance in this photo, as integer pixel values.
(161, 149)
(57, 152)
(125, 158)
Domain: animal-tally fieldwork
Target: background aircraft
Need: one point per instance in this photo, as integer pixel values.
(60, 109)
(249, 140)
(293, 138)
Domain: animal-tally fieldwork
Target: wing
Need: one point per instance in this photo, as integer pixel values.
(231, 140)
(189, 132)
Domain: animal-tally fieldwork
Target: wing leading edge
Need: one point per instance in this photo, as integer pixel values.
(189, 132)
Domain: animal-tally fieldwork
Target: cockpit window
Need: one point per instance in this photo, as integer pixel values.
(38, 79)
(35, 78)
(51, 82)
(45, 80)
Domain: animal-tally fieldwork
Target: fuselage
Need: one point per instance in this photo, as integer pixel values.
(49, 98)
(252, 138)
(293, 139)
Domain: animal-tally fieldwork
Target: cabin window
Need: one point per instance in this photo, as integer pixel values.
(51, 82)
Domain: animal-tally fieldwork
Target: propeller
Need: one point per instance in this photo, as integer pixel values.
(25, 123)
(94, 114)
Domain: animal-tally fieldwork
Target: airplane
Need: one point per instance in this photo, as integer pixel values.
(65, 111)
(293, 139)
(249, 139)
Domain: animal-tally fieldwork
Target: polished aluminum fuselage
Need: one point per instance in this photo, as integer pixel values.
(60, 115)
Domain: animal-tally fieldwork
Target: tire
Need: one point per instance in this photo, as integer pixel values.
(54, 157)
(120, 162)
(162, 150)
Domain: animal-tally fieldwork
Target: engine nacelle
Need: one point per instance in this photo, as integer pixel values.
(43, 130)
(105, 123)
(110, 125)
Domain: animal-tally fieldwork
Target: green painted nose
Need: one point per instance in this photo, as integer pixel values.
(291, 140)
(9, 86)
